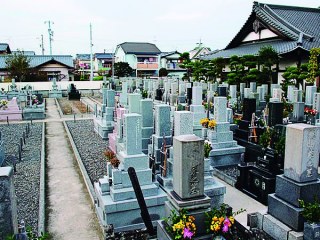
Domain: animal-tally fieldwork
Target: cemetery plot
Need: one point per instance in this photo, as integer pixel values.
(91, 148)
(72, 107)
(27, 175)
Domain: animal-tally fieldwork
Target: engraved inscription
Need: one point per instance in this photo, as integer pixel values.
(137, 132)
(311, 151)
(194, 181)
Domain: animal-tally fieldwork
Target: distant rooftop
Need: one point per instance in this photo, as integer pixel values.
(5, 47)
(83, 56)
(139, 48)
(103, 55)
(38, 60)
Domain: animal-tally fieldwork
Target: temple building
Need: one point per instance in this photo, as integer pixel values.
(291, 31)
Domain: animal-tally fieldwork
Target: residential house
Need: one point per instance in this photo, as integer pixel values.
(289, 30)
(142, 57)
(198, 52)
(82, 65)
(171, 61)
(4, 48)
(103, 62)
(49, 66)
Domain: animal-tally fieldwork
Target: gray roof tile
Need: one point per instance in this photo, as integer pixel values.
(292, 22)
(139, 48)
(38, 60)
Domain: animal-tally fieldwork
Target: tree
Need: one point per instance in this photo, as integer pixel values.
(237, 70)
(267, 58)
(18, 66)
(122, 69)
(218, 65)
(294, 75)
(186, 64)
(163, 72)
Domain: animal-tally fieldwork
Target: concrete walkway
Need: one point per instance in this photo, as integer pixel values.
(70, 212)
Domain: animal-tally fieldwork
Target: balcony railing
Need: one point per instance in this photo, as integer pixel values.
(174, 66)
(148, 65)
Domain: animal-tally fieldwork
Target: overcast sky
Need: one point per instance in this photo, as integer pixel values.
(170, 24)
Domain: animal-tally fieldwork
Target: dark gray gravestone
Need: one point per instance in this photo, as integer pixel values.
(275, 113)
(8, 209)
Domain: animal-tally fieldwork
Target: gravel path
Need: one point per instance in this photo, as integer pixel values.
(90, 146)
(27, 175)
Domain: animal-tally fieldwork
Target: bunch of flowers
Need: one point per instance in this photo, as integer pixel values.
(35, 99)
(207, 148)
(3, 103)
(115, 162)
(204, 122)
(109, 154)
(220, 221)
(212, 123)
(310, 111)
(180, 225)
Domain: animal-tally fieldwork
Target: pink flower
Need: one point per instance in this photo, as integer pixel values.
(187, 233)
(225, 228)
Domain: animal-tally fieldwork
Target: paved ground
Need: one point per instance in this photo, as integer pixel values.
(70, 213)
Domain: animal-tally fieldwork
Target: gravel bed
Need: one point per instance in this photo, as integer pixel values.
(231, 171)
(27, 175)
(91, 148)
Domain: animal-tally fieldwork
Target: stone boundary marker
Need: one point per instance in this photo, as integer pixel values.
(58, 107)
(42, 188)
(81, 166)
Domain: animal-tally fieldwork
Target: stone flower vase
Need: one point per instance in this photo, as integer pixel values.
(219, 238)
(212, 135)
(311, 231)
(204, 132)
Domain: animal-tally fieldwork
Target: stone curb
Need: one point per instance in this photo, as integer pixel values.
(81, 166)
(42, 188)
(58, 107)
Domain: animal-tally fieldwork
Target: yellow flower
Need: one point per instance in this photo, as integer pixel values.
(212, 123)
(231, 219)
(221, 219)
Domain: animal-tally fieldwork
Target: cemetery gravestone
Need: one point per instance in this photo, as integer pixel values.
(300, 178)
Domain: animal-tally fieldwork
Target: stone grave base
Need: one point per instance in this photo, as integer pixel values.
(126, 214)
(226, 156)
(13, 115)
(278, 230)
(55, 94)
(285, 212)
(34, 113)
(102, 128)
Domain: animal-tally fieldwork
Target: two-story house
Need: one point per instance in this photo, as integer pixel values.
(103, 62)
(144, 58)
(171, 61)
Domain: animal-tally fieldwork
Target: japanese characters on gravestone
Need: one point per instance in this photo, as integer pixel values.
(300, 178)
(310, 91)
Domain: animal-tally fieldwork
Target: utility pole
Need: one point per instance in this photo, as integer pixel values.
(112, 81)
(50, 33)
(91, 60)
(41, 45)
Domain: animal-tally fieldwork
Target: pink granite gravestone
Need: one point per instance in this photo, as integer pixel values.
(11, 112)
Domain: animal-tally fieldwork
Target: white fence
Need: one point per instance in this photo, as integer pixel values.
(45, 86)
